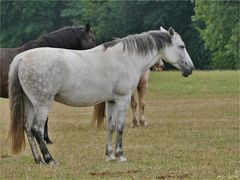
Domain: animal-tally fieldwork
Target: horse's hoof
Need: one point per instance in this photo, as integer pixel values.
(48, 141)
(110, 158)
(122, 159)
(143, 123)
(41, 162)
(53, 163)
(135, 125)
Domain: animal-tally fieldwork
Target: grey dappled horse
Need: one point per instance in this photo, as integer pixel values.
(108, 72)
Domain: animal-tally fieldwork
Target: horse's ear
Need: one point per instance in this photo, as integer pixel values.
(115, 38)
(87, 28)
(171, 31)
(162, 29)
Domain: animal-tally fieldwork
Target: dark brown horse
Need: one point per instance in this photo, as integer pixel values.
(77, 38)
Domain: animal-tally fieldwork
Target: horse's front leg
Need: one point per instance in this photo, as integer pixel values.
(142, 91)
(111, 128)
(120, 127)
(120, 111)
(134, 111)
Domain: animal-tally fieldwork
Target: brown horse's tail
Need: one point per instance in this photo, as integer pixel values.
(17, 109)
(98, 114)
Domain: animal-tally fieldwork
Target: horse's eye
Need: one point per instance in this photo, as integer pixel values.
(182, 46)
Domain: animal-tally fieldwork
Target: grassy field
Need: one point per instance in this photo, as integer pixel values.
(193, 133)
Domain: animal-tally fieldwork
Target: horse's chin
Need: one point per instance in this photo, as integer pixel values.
(185, 73)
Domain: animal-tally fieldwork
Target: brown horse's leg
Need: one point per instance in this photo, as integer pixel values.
(134, 112)
(142, 91)
(46, 137)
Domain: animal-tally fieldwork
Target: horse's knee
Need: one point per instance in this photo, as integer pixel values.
(133, 103)
(111, 129)
(142, 106)
(111, 125)
(36, 132)
(120, 131)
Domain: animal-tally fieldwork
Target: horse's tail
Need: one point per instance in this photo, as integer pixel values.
(17, 109)
(98, 114)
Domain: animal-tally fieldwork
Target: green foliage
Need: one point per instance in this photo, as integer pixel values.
(214, 33)
(24, 21)
(221, 31)
(115, 18)
(118, 19)
(195, 46)
(103, 16)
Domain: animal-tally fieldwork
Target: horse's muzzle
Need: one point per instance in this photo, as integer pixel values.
(186, 72)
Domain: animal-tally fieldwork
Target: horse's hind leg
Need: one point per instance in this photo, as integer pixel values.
(38, 130)
(29, 116)
(36, 156)
(46, 137)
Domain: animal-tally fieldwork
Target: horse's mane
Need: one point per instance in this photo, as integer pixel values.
(68, 37)
(143, 43)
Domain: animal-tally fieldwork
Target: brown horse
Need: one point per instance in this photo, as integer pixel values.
(77, 38)
(99, 109)
(139, 119)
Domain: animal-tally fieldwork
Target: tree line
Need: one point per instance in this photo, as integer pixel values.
(210, 29)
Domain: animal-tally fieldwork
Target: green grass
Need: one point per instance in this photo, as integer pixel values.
(201, 82)
(193, 133)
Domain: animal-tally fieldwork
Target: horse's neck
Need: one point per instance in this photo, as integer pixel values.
(149, 61)
(24, 48)
(30, 45)
(141, 62)
(19, 50)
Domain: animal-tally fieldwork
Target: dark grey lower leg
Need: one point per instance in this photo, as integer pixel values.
(109, 151)
(109, 143)
(46, 137)
(119, 129)
(119, 150)
(46, 155)
(36, 156)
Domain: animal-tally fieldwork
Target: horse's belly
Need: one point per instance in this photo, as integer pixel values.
(79, 99)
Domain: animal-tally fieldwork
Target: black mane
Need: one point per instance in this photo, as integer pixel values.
(68, 37)
(143, 43)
